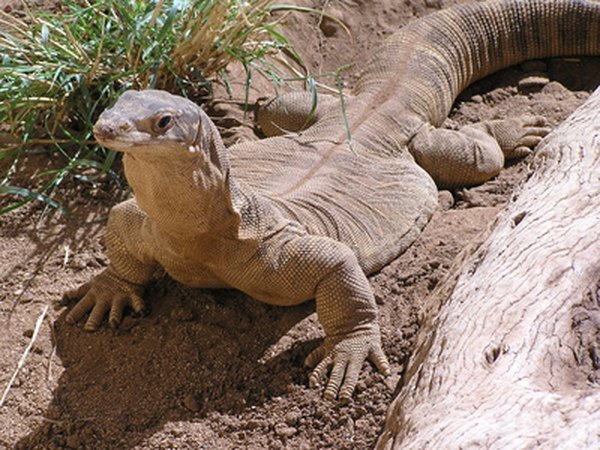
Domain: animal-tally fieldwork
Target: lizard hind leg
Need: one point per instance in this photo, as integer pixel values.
(475, 153)
(292, 112)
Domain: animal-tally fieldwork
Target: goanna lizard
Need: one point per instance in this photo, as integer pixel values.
(307, 215)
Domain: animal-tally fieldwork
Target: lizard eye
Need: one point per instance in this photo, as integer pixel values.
(164, 122)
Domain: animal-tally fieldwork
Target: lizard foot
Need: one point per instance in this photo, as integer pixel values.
(518, 136)
(105, 292)
(343, 357)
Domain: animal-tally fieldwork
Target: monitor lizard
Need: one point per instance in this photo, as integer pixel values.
(308, 215)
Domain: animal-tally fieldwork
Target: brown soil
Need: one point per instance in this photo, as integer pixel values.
(216, 369)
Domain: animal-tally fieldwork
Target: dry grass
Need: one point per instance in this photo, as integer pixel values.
(58, 71)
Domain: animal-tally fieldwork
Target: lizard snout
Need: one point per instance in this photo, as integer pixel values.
(108, 130)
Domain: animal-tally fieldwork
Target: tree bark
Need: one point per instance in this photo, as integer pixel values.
(509, 354)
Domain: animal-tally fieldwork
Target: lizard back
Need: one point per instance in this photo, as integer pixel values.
(370, 193)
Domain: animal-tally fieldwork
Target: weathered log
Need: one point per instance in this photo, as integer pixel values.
(508, 353)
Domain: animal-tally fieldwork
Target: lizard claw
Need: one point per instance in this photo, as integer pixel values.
(106, 293)
(343, 359)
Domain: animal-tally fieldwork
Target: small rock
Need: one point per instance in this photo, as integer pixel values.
(445, 200)
(533, 83)
(255, 423)
(477, 99)
(362, 424)
(282, 430)
(380, 410)
(328, 26)
(554, 87)
(292, 417)
(190, 403)
(28, 333)
(391, 382)
(361, 386)
(182, 314)
(450, 124)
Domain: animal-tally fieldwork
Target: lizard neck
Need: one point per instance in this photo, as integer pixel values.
(185, 195)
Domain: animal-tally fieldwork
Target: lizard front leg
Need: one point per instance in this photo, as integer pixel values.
(298, 268)
(122, 283)
(347, 310)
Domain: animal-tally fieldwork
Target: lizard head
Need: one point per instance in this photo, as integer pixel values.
(150, 121)
(156, 125)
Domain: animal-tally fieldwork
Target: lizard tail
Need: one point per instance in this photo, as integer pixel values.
(430, 61)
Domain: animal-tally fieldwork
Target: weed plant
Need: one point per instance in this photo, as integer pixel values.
(59, 70)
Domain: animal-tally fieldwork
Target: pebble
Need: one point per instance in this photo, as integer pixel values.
(554, 87)
(283, 430)
(292, 417)
(533, 83)
(179, 314)
(328, 27)
(190, 403)
(445, 200)
(391, 382)
(361, 386)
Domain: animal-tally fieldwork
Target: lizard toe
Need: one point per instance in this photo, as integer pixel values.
(116, 311)
(75, 294)
(137, 304)
(315, 357)
(319, 373)
(336, 377)
(101, 307)
(378, 358)
(350, 380)
(80, 309)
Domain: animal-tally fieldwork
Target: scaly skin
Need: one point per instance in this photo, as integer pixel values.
(292, 218)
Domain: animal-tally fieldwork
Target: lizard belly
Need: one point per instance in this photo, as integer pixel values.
(210, 262)
(196, 274)
(229, 263)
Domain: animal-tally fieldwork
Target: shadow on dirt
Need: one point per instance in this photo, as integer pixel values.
(575, 74)
(197, 353)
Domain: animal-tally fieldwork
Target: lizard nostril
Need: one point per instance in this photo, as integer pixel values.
(125, 126)
(105, 130)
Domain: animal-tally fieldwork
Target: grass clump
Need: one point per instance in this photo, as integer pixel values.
(59, 70)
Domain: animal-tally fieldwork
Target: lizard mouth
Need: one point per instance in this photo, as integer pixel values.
(115, 144)
(122, 142)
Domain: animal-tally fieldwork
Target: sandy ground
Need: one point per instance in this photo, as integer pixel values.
(217, 369)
